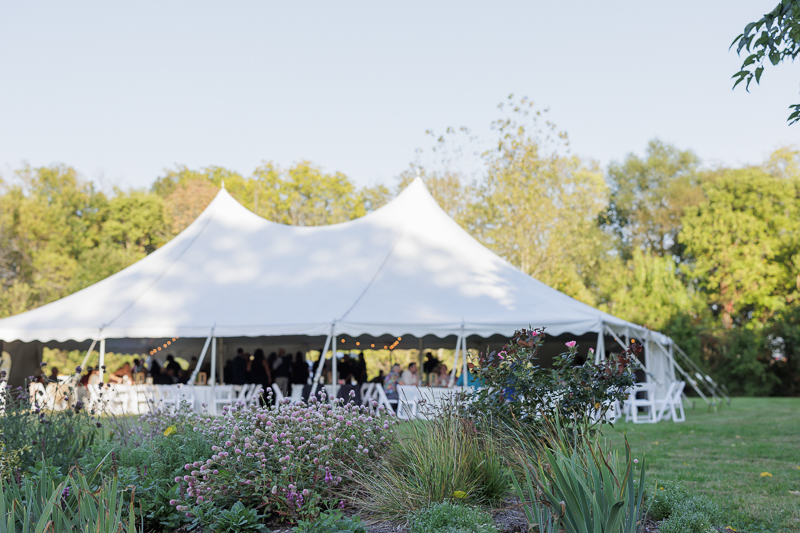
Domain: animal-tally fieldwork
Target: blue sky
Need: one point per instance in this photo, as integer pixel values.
(123, 90)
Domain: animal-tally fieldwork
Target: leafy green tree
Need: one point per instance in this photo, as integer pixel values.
(744, 242)
(648, 290)
(135, 221)
(306, 196)
(538, 208)
(648, 197)
(775, 36)
(49, 217)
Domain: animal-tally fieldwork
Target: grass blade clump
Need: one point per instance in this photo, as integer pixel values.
(445, 458)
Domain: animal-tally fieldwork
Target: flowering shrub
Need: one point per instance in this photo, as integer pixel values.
(516, 387)
(292, 459)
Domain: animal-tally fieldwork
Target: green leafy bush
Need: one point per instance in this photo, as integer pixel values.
(434, 461)
(691, 514)
(518, 389)
(666, 497)
(448, 517)
(332, 521)
(238, 519)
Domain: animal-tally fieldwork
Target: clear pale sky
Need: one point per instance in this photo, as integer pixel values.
(123, 90)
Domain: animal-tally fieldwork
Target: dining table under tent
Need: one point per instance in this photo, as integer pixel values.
(405, 276)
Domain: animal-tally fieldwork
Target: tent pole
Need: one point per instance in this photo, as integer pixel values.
(334, 373)
(213, 376)
(85, 359)
(102, 358)
(455, 362)
(421, 362)
(646, 371)
(464, 352)
(600, 350)
(193, 377)
(321, 363)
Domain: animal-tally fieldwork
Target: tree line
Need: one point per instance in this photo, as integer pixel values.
(707, 255)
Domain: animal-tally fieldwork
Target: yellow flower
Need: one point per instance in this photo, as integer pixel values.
(170, 431)
(597, 405)
(656, 443)
(460, 494)
(729, 528)
(660, 488)
(765, 474)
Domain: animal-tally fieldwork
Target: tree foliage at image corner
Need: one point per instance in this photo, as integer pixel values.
(774, 37)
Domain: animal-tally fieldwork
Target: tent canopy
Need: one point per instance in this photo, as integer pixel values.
(404, 269)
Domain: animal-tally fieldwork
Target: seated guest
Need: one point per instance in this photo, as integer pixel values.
(122, 372)
(391, 381)
(53, 375)
(443, 375)
(472, 381)
(410, 376)
(138, 366)
(85, 378)
(379, 378)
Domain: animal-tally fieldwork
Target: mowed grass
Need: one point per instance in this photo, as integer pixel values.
(723, 454)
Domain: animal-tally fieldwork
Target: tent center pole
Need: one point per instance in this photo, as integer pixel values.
(102, 359)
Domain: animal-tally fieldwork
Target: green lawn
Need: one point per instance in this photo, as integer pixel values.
(723, 454)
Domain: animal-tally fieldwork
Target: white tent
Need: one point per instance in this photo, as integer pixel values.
(405, 269)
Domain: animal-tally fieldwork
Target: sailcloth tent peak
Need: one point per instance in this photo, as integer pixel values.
(406, 268)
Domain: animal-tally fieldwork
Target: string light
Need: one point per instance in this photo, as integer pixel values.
(342, 341)
(159, 348)
(371, 345)
(358, 344)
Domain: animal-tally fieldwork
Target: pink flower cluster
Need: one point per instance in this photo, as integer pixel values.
(291, 459)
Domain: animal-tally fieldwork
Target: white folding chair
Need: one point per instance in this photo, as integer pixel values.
(223, 395)
(649, 403)
(145, 398)
(407, 401)
(297, 393)
(116, 399)
(672, 404)
(39, 397)
(383, 400)
(253, 395)
(278, 393)
(168, 396)
(367, 393)
(240, 392)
